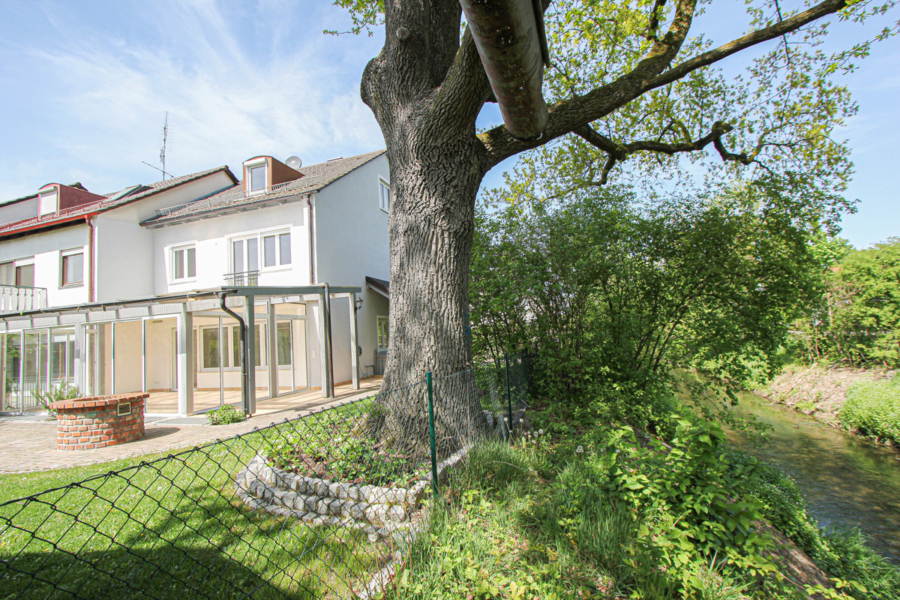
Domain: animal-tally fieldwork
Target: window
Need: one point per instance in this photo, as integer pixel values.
(384, 196)
(184, 263)
(276, 250)
(72, 267)
(257, 175)
(210, 341)
(283, 343)
(48, 202)
(245, 255)
(8, 273)
(25, 275)
(382, 323)
(236, 346)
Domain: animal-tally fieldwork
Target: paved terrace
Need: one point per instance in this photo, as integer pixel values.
(27, 446)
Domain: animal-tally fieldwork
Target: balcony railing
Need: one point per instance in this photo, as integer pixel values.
(245, 279)
(15, 299)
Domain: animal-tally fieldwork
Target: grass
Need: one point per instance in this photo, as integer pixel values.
(873, 409)
(168, 528)
(499, 533)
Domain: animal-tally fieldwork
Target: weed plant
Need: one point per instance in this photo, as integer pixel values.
(873, 409)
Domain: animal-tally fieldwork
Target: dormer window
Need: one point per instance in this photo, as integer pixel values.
(257, 178)
(256, 175)
(49, 201)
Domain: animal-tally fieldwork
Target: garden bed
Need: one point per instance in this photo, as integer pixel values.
(380, 511)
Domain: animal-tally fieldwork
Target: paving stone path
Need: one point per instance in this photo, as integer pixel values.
(31, 446)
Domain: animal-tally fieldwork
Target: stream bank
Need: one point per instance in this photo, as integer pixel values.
(847, 482)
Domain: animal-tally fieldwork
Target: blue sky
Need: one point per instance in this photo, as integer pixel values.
(84, 87)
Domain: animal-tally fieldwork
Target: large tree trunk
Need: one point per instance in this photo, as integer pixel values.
(437, 164)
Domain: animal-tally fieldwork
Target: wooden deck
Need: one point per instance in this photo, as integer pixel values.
(160, 403)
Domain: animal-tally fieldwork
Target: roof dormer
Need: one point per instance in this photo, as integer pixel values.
(55, 197)
(263, 172)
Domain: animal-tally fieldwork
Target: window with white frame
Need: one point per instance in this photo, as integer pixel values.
(49, 201)
(382, 334)
(25, 272)
(72, 267)
(384, 195)
(184, 263)
(275, 252)
(8, 273)
(257, 176)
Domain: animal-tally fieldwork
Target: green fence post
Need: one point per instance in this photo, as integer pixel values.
(508, 393)
(434, 481)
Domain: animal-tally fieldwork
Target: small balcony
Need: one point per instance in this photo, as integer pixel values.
(244, 279)
(16, 299)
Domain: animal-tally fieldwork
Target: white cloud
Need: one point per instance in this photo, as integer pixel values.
(237, 81)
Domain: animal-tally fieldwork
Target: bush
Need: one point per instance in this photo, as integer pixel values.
(64, 391)
(224, 416)
(873, 409)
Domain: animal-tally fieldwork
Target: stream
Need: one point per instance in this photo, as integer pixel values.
(847, 482)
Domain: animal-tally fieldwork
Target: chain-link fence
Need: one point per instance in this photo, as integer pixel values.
(315, 507)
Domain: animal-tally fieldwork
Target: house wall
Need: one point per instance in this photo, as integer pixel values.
(124, 260)
(352, 243)
(18, 211)
(46, 248)
(211, 238)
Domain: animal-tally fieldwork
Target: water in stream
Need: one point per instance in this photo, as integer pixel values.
(846, 481)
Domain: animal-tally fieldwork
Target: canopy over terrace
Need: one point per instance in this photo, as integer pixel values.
(81, 324)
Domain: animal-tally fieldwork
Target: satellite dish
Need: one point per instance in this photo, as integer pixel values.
(294, 162)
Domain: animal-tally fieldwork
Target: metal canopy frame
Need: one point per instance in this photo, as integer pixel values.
(183, 307)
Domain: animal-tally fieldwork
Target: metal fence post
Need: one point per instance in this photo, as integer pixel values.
(508, 393)
(434, 481)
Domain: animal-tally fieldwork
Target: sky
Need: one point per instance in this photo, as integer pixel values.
(85, 86)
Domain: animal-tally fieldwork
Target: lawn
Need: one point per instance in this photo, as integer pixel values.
(168, 527)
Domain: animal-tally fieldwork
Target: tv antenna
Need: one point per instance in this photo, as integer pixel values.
(162, 150)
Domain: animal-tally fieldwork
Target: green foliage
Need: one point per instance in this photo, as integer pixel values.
(614, 294)
(337, 445)
(63, 391)
(857, 320)
(224, 415)
(873, 409)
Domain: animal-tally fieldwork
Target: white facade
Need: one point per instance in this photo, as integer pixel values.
(335, 233)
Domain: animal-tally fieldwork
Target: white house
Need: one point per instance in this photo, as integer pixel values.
(146, 289)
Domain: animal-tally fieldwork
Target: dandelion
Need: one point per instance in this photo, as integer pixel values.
(579, 450)
(540, 432)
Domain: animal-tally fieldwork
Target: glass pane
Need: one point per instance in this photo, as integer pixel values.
(236, 346)
(73, 268)
(260, 348)
(284, 344)
(284, 240)
(25, 276)
(58, 348)
(13, 358)
(257, 178)
(210, 348)
(7, 274)
(252, 254)
(269, 259)
(179, 264)
(237, 256)
(191, 262)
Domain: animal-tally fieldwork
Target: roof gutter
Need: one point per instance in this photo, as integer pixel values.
(511, 41)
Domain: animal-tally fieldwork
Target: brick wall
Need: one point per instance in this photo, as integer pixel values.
(87, 423)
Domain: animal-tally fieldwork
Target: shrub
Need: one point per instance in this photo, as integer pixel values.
(224, 416)
(64, 391)
(873, 409)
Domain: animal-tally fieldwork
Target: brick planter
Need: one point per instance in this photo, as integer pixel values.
(87, 423)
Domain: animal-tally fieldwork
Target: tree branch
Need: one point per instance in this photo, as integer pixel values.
(650, 73)
(620, 152)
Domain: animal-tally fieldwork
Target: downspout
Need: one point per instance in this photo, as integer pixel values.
(311, 217)
(511, 41)
(90, 224)
(245, 393)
